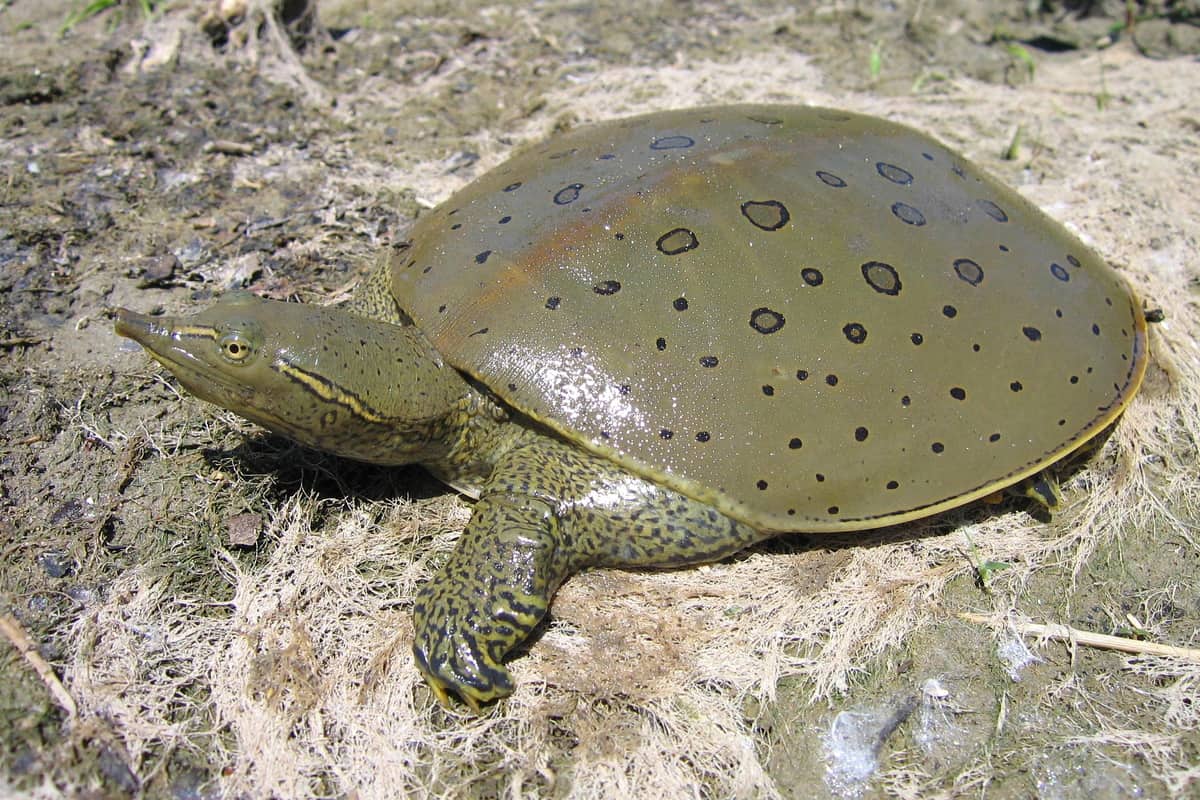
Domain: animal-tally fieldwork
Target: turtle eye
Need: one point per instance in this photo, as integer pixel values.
(236, 348)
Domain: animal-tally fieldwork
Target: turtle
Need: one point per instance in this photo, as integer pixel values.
(654, 341)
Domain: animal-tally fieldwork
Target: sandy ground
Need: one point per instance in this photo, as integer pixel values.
(193, 608)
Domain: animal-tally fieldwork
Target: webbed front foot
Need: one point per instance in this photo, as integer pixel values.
(486, 600)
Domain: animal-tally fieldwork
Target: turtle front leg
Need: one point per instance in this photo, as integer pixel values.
(487, 598)
(548, 510)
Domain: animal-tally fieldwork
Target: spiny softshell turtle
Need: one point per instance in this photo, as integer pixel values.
(654, 341)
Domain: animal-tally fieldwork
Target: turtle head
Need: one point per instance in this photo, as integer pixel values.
(326, 378)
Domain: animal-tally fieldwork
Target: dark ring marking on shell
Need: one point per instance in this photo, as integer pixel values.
(906, 213)
(765, 321)
(607, 287)
(769, 215)
(680, 304)
(829, 179)
(553, 303)
(992, 210)
(568, 194)
(676, 241)
(855, 332)
(882, 277)
(1060, 272)
(1031, 333)
(812, 276)
(482, 257)
(672, 143)
(893, 173)
(708, 361)
(969, 271)
(512, 187)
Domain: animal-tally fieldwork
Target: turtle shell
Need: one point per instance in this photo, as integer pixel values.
(811, 319)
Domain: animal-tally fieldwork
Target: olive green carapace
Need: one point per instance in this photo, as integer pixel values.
(812, 319)
(656, 341)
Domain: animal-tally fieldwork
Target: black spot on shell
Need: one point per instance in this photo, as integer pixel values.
(672, 143)
(607, 287)
(703, 436)
(860, 434)
(676, 241)
(768, 390)
(801, 374)
(831, 379)
(969, 271)
(769, 215)
(893, 485)
(917, 338)
(708, 361)
(505, 220)
(766, 321)
(680, 304)
(937, 447)
(992, 210)
(1073, 261)
(1016, 386)
(995, 437)
(906, 213)
(456, 226)
(958, 393)
(762, 485)
(665, 433)
(829, 179)
(553, 302)
(442, 309)
(949, 312)
(906, 401)
(795, 443)
(812, 276)
(1031, 333)
(482, 257)
(1060, 272)
(855, 333)
(882, 277)
(833, 509)
(512, 187)
(1095, 329)
(624, 389)
(568, 194)
(661, 343)
(893, 173)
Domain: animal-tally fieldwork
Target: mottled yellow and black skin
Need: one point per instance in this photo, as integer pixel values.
(369, 387)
